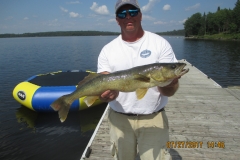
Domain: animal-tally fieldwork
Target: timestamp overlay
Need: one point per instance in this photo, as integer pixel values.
(195, 144)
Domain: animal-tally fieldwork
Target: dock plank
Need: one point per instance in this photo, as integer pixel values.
(200, 111)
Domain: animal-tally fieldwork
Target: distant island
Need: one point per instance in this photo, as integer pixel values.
(60, 34)
(81, 33)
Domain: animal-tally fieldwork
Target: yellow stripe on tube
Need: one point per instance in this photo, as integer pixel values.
(24, 92)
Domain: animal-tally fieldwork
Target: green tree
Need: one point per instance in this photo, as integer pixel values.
(236, 14)
(229, 19)
(232, 28)
(210, 22)
(202, 29)
(193, 24)
(221, 20)
(188, 28)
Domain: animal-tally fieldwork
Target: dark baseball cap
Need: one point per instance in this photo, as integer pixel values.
(120, 3)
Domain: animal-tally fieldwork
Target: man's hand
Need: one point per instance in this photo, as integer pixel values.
(109, 95)
(170, 89)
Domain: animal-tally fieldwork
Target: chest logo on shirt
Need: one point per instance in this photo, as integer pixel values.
(145, 53)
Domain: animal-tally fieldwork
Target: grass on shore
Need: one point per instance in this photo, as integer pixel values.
(220, 36)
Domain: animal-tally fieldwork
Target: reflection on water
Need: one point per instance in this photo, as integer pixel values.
(41, 136)
(26, 116)
(50, 124)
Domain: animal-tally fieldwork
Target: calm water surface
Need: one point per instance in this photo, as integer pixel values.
(25, 134)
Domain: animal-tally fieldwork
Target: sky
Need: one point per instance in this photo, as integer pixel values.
(30, 16)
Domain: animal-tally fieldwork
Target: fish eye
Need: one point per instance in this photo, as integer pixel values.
(173, 66)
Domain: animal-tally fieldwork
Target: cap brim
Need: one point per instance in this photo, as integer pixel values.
(126, 4)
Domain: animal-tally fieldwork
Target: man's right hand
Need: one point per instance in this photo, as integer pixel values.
(109, 95)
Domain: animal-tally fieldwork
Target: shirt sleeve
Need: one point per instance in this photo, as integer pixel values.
(166, 53)
(103, 63)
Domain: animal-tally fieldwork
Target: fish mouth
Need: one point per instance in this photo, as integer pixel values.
(181, 71)
(184, 71)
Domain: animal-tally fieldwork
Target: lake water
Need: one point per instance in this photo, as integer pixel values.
(25, 134)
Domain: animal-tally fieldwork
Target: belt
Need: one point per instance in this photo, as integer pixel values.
(130, 114)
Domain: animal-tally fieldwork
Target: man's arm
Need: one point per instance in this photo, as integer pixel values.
(170, 89)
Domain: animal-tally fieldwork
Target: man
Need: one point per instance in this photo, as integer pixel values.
(136, 124)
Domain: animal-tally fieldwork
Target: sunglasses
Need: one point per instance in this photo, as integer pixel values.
(131, 12)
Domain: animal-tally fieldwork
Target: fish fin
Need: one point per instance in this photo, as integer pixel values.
(141, 77)
(140, 92)
(88, 78)
(62, 106)
(89, 100)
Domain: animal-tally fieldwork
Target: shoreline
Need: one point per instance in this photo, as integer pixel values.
(215, 39)
(210, 39)
(219, 37)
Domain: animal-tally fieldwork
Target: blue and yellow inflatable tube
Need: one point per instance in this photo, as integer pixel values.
(38, 92)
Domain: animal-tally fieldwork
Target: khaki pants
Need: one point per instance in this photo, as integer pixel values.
(149, 133)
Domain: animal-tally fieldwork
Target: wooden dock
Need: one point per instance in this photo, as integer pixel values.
(204, 122)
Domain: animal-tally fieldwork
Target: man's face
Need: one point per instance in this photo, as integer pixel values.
(129, 23)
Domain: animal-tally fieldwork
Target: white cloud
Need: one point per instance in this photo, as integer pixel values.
(25, 18)
(146, 17)
(193, 7)
(112, 20)
(99, 9)
(64, 10)
(74, 15)
(183, 21)
(149, 6)
(53, 23)
(92, 15)
(166, 7)
(73, 2)
(71, 14)
(160, 22)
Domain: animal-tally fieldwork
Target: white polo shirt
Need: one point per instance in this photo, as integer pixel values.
(120, 55)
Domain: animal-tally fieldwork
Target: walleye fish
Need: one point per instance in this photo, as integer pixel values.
(137, 79)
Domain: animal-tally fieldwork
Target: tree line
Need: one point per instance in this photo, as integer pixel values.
(222, 21)
(180, 32)
(60, 33)
(81, 33)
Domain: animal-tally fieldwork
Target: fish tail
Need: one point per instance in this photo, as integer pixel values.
(62, 105)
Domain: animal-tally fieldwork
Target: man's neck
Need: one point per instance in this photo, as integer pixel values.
(132, 36)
